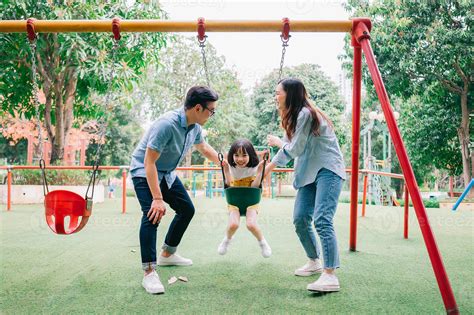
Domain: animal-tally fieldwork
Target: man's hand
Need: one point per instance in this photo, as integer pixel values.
(157, 211)
(225, 165)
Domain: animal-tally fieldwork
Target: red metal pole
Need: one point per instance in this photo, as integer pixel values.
(9, 190)
(356, 92)
(364, 196)
(361, 33)
(405, 218)
(124, 190)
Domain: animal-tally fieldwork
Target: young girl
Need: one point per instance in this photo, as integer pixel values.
(243, 170)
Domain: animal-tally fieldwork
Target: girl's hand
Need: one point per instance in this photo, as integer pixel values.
(274, 141)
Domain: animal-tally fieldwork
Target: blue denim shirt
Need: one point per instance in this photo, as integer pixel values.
(311, 153)
(171, 136)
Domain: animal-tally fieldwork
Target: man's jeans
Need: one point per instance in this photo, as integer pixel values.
(178, 199)
(316, 203)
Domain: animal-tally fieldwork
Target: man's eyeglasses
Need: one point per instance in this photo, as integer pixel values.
(212, 111)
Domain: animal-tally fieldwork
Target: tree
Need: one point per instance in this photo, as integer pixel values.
(123, 134)
(322, 91)
(181, 67)
(71, 65)
(424, 50)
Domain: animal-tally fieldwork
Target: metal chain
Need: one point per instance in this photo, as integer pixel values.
(202, 45)
(34, 74)
(103, 121)
(284, 44)
(34, 81)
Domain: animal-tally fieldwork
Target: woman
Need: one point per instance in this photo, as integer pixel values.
(319, 175)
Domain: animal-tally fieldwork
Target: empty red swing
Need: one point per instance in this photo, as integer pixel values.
(67, 212)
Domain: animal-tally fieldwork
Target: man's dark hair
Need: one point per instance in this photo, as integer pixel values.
(200, 95)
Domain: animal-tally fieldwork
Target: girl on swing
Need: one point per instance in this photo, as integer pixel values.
(243, 169)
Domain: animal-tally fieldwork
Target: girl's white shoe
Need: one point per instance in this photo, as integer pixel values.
(222, 248)
(266, 250)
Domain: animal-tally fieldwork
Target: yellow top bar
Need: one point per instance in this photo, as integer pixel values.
(63, 26)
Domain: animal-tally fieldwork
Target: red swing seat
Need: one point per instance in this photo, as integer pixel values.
(60, 204)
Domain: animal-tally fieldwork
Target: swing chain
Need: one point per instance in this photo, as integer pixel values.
(103, 121)
(202, 45)
(284, 44)
(34, 80)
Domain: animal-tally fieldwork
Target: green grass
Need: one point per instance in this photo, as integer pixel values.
(98, 270)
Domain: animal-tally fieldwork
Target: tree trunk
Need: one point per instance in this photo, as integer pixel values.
(64, 91)
(463, 135)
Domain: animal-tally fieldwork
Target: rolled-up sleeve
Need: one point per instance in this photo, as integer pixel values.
(295, 147)
(159, 135)
(199, 138)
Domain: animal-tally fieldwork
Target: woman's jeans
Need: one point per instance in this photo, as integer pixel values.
(316, 203)
(178, 199)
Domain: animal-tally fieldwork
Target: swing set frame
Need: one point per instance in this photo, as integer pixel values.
(359, 28)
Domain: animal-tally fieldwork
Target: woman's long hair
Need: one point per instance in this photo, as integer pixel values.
(296, 99)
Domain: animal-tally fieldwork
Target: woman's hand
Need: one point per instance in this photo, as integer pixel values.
(269, 168)
(274, 141)
(157, 211)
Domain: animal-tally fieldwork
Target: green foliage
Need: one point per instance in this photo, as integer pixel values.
(322, 91)
(53, 177)
(72, 66)
(422, 137)
(123, 134)
(13, 154)
(429, 203)
(424, 52)
(181, 67)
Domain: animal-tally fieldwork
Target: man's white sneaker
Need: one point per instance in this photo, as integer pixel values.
(310, 268)
(174, 260)
(326, 283)
(152, 284)
(222, 249)
(266, 250)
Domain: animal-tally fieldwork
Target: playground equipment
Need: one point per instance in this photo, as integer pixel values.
(466, 191)
(379, 187)
(62, 204)
(243, 197)
(359, 29)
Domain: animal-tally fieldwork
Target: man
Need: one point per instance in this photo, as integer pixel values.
(153, 166)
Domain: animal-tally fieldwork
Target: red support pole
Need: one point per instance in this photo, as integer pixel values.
(361, 33)
(405, 218)
(29, 151)
(364, 196)
(9, 190)
(356, 92)
(124, 190)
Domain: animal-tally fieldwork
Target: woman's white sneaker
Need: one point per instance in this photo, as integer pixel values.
(310, 268)
(266, 250)
(152, 284)
(326, 283)
(174, 260)
(222, 249)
